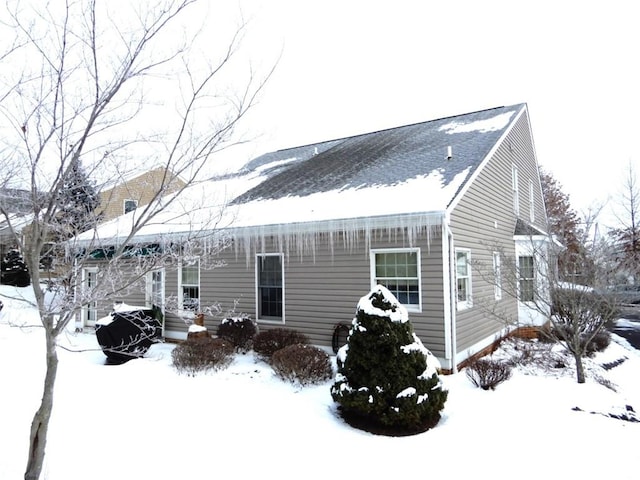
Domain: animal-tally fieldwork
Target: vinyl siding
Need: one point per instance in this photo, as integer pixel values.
(142, 189)
(321, 288)
(484, 221)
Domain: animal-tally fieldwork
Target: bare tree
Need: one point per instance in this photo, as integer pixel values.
(626, 238)
(576, 313)
(106, 85)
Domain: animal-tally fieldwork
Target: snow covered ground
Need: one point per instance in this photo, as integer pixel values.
(142, 420)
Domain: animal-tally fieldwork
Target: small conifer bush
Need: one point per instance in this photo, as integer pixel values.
(302, 363)
(239, 331)
(267, 342)
(201, 354)
(487, 374)
(387, 381)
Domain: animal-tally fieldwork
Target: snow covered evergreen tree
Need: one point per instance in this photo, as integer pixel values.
(78, 202)
(387, 381)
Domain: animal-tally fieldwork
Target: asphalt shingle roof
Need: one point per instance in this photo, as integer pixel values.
(381, 158)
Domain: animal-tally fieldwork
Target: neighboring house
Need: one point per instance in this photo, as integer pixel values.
(134, 190)
(16, 214)
(417, 208)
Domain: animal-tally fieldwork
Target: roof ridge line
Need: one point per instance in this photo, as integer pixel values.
(340, 139)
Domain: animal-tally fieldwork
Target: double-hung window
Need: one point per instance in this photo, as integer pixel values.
(463, 279)
(526, 278)
(270, 287)
(190, 284)
(399, 271)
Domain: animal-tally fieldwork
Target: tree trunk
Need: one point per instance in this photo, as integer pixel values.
(40, 423)
(579, 368)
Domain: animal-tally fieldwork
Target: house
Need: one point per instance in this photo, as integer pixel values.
(309, 230)
(134, 190)
(15, 208)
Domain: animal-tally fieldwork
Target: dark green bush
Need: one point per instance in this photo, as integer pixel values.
(239, 331)
(267, 342)
(302, 363)
(387, 381)
(200, 354)
(488, 374)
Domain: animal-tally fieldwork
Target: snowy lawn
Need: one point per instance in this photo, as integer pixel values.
(142, 420)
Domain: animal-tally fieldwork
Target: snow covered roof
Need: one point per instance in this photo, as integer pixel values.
(15, 200)
(409, 174)
(387, 158)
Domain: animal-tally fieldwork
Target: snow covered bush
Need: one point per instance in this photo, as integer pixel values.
(487, 374)
(239, 331)
(302, 363)
(267, 342)
(387, 381)
(201, 354)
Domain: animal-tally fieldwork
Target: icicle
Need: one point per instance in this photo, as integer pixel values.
(302, 239)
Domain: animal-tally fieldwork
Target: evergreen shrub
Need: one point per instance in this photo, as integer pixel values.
(302, 363)
(200, 354)
(387, 381)
(14, 271)
(239, 331)
(267, 342)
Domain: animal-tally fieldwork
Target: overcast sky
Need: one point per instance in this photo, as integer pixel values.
(350, 67)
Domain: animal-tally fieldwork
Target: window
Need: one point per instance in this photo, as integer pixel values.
(155, 288)
(130, 205)
(497, 276)
(463, 278)
(398, 270)
(190, 285)
(269, 277)
(514, 186)
(532, 209)
(526, 279)
(90, 310)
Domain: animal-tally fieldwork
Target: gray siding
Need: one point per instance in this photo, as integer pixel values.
(484, 221)
(322, 288)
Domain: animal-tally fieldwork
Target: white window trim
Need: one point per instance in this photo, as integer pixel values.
(532, 205)
(468, 302)
(497, 276)
(372, 270)
(149, 287)
(92, 305)
(533, 279)
(181, 310)
(124, 205)
(275, 321)
(516, 192)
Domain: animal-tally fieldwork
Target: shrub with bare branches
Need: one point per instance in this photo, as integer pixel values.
(267, 342)
(201, 354)
(303, 364)
(487, 373)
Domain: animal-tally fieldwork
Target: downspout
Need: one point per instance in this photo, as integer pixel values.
(451, 295)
